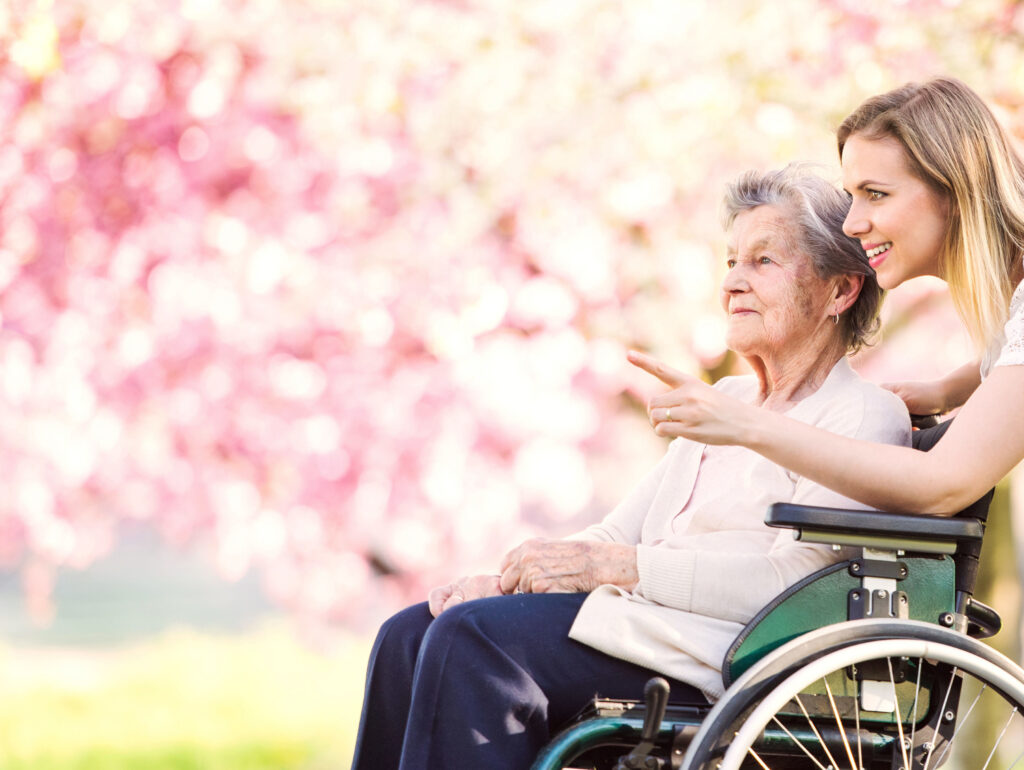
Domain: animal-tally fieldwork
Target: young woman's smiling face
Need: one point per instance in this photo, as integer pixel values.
(900, 221)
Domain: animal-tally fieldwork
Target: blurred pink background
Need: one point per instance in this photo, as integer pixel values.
(335, 296)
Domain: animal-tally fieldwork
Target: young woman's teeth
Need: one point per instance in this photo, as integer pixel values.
(879, 249)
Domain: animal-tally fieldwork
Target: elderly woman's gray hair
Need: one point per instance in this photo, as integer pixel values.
(818, 211)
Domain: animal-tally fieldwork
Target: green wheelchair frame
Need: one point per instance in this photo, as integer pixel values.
(872, 663)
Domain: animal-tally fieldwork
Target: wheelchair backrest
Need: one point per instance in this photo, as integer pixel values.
(967, 554)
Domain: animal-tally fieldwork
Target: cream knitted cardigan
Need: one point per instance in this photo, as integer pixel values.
(706, 560)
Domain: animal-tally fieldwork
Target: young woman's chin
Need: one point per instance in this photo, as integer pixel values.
(888, 281)
(889, 275)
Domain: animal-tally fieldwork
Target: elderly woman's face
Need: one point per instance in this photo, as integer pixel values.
(777, 304)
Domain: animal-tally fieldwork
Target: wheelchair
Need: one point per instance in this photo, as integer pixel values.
(868, 664)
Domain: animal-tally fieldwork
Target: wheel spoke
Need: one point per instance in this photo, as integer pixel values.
(856, 724)
(938, 716)
(1018, 759)
(966, 717)
(814, 729)
(839, 724)
(899, 717)
(761, 761)
(999, 739)
(797, 743)
(917, 692)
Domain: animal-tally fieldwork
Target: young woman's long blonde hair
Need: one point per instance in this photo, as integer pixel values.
(955, 145)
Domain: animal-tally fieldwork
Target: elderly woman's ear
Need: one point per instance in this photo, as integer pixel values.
(845, 292)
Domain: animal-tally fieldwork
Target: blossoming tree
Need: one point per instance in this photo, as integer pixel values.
(342, 291)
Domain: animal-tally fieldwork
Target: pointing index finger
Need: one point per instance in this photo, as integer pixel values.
(666, 374)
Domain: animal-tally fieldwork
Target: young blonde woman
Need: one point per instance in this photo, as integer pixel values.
(936, 189)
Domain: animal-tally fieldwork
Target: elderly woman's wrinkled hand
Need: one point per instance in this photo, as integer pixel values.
(567, 566)
(692, 409)
(462, 590)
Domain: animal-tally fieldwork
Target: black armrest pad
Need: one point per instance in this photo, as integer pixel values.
(873, 523)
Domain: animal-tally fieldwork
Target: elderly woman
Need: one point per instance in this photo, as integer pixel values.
(480, 675)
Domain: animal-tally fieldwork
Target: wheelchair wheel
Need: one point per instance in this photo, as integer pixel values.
(852, 698)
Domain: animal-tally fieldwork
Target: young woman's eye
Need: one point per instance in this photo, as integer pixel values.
(875, 195)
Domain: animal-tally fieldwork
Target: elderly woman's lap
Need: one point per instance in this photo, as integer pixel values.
(486, 682)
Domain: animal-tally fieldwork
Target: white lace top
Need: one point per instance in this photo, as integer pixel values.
(1009, 351)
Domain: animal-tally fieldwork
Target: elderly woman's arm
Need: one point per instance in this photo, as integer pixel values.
(735, 584)
(602, 553)
(728, 585)
(624, 524)
(716, 574)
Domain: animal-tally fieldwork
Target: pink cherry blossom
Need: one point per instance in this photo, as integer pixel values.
(342, 291)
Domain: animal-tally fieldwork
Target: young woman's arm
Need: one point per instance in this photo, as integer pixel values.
(939, 396)
(984, 443)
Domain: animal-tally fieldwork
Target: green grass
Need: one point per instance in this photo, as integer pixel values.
(172, 758)
(184, 701)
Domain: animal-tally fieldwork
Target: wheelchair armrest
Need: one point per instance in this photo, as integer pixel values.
(929, 534)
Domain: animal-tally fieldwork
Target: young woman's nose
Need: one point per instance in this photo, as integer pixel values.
(855, 224)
